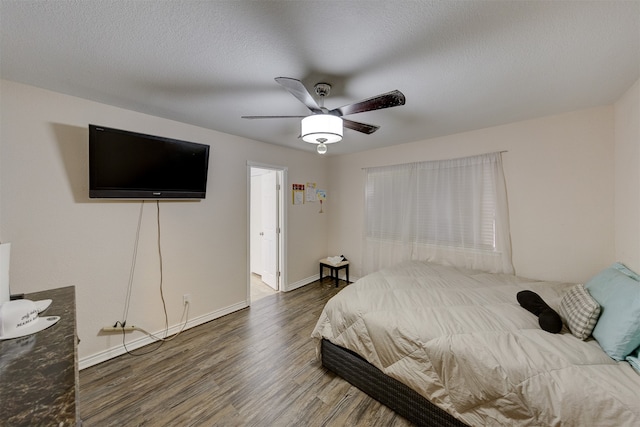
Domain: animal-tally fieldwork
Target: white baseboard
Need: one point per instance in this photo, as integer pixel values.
(110, 353)
(300, 283)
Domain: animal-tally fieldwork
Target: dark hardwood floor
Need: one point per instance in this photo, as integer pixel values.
(254, 367)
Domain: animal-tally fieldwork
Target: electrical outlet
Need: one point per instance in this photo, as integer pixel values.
(186, 299)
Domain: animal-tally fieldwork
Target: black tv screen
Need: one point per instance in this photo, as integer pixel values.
(130, 165)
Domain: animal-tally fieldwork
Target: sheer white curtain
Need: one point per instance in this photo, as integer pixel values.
(452, 212)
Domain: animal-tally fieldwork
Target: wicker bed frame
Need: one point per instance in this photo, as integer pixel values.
(384, 389)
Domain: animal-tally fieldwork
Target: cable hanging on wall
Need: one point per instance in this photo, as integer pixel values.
(185, 312)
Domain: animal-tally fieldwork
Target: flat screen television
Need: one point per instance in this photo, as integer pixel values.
(130, 165)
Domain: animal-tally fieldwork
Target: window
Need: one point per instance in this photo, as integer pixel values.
(450, 211)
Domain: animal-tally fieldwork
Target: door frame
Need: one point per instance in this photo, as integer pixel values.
(281, 178)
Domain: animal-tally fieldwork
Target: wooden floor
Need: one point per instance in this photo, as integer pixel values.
(254, 367)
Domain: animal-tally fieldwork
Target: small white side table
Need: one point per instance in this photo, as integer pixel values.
(335, 268)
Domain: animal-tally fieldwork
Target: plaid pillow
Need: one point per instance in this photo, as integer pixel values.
(579, 311)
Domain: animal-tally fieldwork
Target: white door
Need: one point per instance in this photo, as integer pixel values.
(255, 225)
(270, 229)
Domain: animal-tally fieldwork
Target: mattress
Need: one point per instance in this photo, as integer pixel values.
(459, 338)
(386, 390)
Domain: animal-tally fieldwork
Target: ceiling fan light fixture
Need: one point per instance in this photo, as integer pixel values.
(321, 129)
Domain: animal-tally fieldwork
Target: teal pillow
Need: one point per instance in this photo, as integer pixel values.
(618, 328)
(634, 359)
(625, 270)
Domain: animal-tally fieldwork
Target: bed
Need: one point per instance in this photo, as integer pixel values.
(451, 346)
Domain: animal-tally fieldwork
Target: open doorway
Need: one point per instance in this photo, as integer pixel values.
(266, 260)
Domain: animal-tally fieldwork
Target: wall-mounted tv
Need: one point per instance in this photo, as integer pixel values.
(130, 165)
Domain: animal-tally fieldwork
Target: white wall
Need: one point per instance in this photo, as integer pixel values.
(60, 237)
(627, 177)
(559, 175)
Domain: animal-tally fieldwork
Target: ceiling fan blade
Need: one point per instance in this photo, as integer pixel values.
(386, 100)
(360, 127)
(273, 117)
(297, 89)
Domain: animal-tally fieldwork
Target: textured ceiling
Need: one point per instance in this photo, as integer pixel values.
(462, 65)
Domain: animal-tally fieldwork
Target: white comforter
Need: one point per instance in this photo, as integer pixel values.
(460, 338)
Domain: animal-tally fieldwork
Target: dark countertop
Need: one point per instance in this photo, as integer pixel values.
(38, 373)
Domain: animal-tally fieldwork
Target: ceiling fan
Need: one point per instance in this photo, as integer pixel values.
(324, 126)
